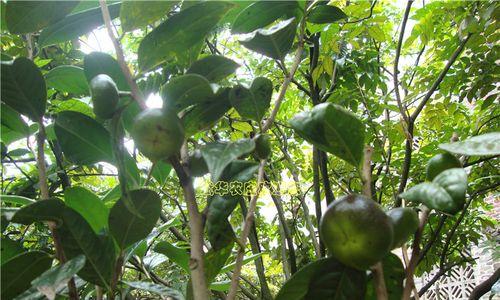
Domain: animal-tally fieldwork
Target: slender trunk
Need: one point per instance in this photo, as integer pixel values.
(317, 197)
(323, 166)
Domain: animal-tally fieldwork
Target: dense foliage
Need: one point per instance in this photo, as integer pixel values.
(382, 117)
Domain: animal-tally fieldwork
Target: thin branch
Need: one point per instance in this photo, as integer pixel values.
(365, 18)
(485, 286)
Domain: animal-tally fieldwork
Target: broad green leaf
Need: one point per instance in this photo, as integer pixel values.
(69, 79)
(219, 155)
(135, 14)
(156, 289)
(23, 88)
(96, 63)
(77, 237)
(128, 228)
(323, 14)
(324, 278)
(30, 16)
(394, 274)
(12, 120)
(215, 261)
(9, 249)
(253, 103)
(246, 260)
(57, 277)
(240, 171)
(186, 90)
(180, 32)
(454, 181)
(480, 145)
(332, 129)
(40, 211)
(83, 140)
(213, 67)
(177, 255)
(204, 116)
(14, 199)
(433, 196)
(18, 272)
(260, 14)
(274, 42)
(75, 25)
(89, 206)
(161, 171)
(219, 231)
(221, 286)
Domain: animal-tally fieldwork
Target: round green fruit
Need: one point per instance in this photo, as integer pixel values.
(262, 146)
(197, 165)
(441, 162)
(104, 96)
(356, 231)
(404, 222)
(158, 134)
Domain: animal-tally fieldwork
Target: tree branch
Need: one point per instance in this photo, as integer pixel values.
(485, 286)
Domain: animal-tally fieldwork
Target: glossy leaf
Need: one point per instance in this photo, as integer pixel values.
(205, 115)
(96, 63)
(13, 199)
(433, 196)
(177, 255)
(179, 33)
(135, 14)
(128, 228)
(324, 278)
(18, 272)
(260, 14)
(215, 261)
(253, 103)
(394, 274)
(480, 145)
(40, 211)
(161, 172)
(218, 155)
(23, 88)
(76, 25)
(83, 140)
(213, 67)
(13, 121)
(69, 79)
(274, 42)
(57, 277)
(156, 289)
(9, 249)
(332, 129)
(219, 230)
(31, 16)
(240, 171)
(89, 206)
(323, 14)
(454, 181)
(77, 237)
(186, 90)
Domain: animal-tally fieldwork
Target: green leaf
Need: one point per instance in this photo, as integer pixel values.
(213, 67)
(324, 278)
(177, 255)
(219, 155)
(40, 211)
(12, 120)
(394, 274)
(156, 289)
(239, 171)
(205, 115)
(57, 277)
(77, 237)
(30, 16)
(128, 228)
(454, 181)
(323, 14)
(161, 171)
(253, 103)
(186, 90)
(433, 196)
(23, 88)
(180, 32)
(215, 261)
(219, 230)
(83, 140)
(260, 14)
(332, 129)
(221, 286)
(76, 25)
(274, 42)
(89, 206)
(14, 199)
(376, 33)
(69, 79)
(9, 249)
(18, 272)
(96, 63)
(480, 145)
(135, 14)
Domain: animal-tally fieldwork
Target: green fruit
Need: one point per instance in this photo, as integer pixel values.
(197, 165)
(441, 162)
(104, 96)
(262, 146)
(158, 134)
(404, 222)
(356, 231)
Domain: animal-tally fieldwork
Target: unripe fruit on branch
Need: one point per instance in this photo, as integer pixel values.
(104, 96)
(405, 223)
(440, 163)
(262, 146)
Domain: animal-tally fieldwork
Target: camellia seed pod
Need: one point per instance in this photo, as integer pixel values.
(104, 96)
